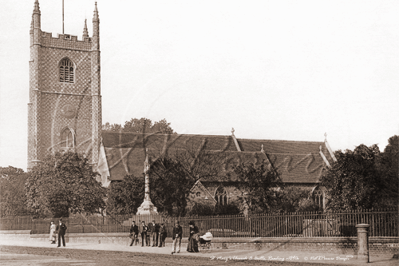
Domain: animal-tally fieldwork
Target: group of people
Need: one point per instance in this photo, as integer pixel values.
(153, 232)
(58, 230)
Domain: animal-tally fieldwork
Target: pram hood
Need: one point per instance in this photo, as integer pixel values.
(207, 237)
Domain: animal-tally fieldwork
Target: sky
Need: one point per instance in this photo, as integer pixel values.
(277, 69)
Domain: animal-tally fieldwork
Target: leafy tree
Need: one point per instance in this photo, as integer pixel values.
(307, 205)
(63, 184)
(112, 127)
(170, 186)
(353, 182)
(199, 163)
(206, 210)
(389, 174)
(199, 209)
(142, 125)
(125, 197)
(171, 179)
(12, 192)
(293, 199)
(258, 186)
(228, 209)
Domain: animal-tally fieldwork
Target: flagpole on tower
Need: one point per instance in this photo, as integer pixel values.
(62, 16)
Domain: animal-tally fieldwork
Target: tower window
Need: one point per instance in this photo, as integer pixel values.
(221, 196)
(66, 71)
(67, 139)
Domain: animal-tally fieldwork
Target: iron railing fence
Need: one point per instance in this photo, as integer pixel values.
(383, 223)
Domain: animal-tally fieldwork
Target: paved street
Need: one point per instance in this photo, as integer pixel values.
(42, 253)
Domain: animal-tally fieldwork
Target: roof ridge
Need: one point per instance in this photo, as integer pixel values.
(162, 134)
(228, 136)
(282, 140)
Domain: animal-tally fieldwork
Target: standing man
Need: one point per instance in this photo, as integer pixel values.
(143, 232)
(162, 235)
(177, 236)
(134, 232)
(153, 229)
(61, 228)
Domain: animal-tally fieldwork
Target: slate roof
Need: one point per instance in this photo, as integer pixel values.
(296, 161)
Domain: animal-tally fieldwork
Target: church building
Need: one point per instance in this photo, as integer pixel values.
(64, 113)
(298, 163)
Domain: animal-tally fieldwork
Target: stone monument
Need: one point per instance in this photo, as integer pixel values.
(147, 207)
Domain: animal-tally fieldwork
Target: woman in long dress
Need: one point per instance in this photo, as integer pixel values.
(192, 239)
(52, 233)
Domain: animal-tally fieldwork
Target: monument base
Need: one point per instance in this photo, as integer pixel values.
(147, 208)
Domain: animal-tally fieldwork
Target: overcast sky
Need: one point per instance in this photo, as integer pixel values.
(288, 70)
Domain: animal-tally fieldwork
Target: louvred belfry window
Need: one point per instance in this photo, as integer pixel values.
(66, 71)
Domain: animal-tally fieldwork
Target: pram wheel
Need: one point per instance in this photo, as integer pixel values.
(204, 244)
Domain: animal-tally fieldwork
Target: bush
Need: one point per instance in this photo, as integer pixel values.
(207, 210)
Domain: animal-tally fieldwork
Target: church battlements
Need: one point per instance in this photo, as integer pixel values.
(65, 41)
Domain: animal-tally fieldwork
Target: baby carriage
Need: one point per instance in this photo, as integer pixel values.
(205, 241)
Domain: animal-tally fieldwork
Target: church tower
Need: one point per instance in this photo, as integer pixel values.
(64, 109)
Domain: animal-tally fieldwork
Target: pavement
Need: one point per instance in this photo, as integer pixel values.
(222, 254)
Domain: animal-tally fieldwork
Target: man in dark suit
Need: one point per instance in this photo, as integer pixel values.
(177, 235)
(134, 232)
(153, 230)
(61, 229)
(143, 232)
(162, 235)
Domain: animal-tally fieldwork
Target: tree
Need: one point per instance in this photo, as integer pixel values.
(293, 199)
(112, 127)
(12, 192)
(353, 182)
(199, 209)
(125, 197)
(388, 165)
(258, 186)
(63, 184)
(142, 125)
(199, 163)
(171, 179)
(170, 186)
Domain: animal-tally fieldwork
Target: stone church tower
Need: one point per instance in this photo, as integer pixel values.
(64, 109)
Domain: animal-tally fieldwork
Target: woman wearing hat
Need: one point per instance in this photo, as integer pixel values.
(53, 234)
(193, 238)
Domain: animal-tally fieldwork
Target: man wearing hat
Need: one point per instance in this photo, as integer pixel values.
(143, 232)
(162, 235)
(134, 232)
(153, 230)
(177, 235)
(61, 228)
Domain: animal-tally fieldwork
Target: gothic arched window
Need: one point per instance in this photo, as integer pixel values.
(67, 71)
(67, 139)
(221, 196)
(318, 198)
